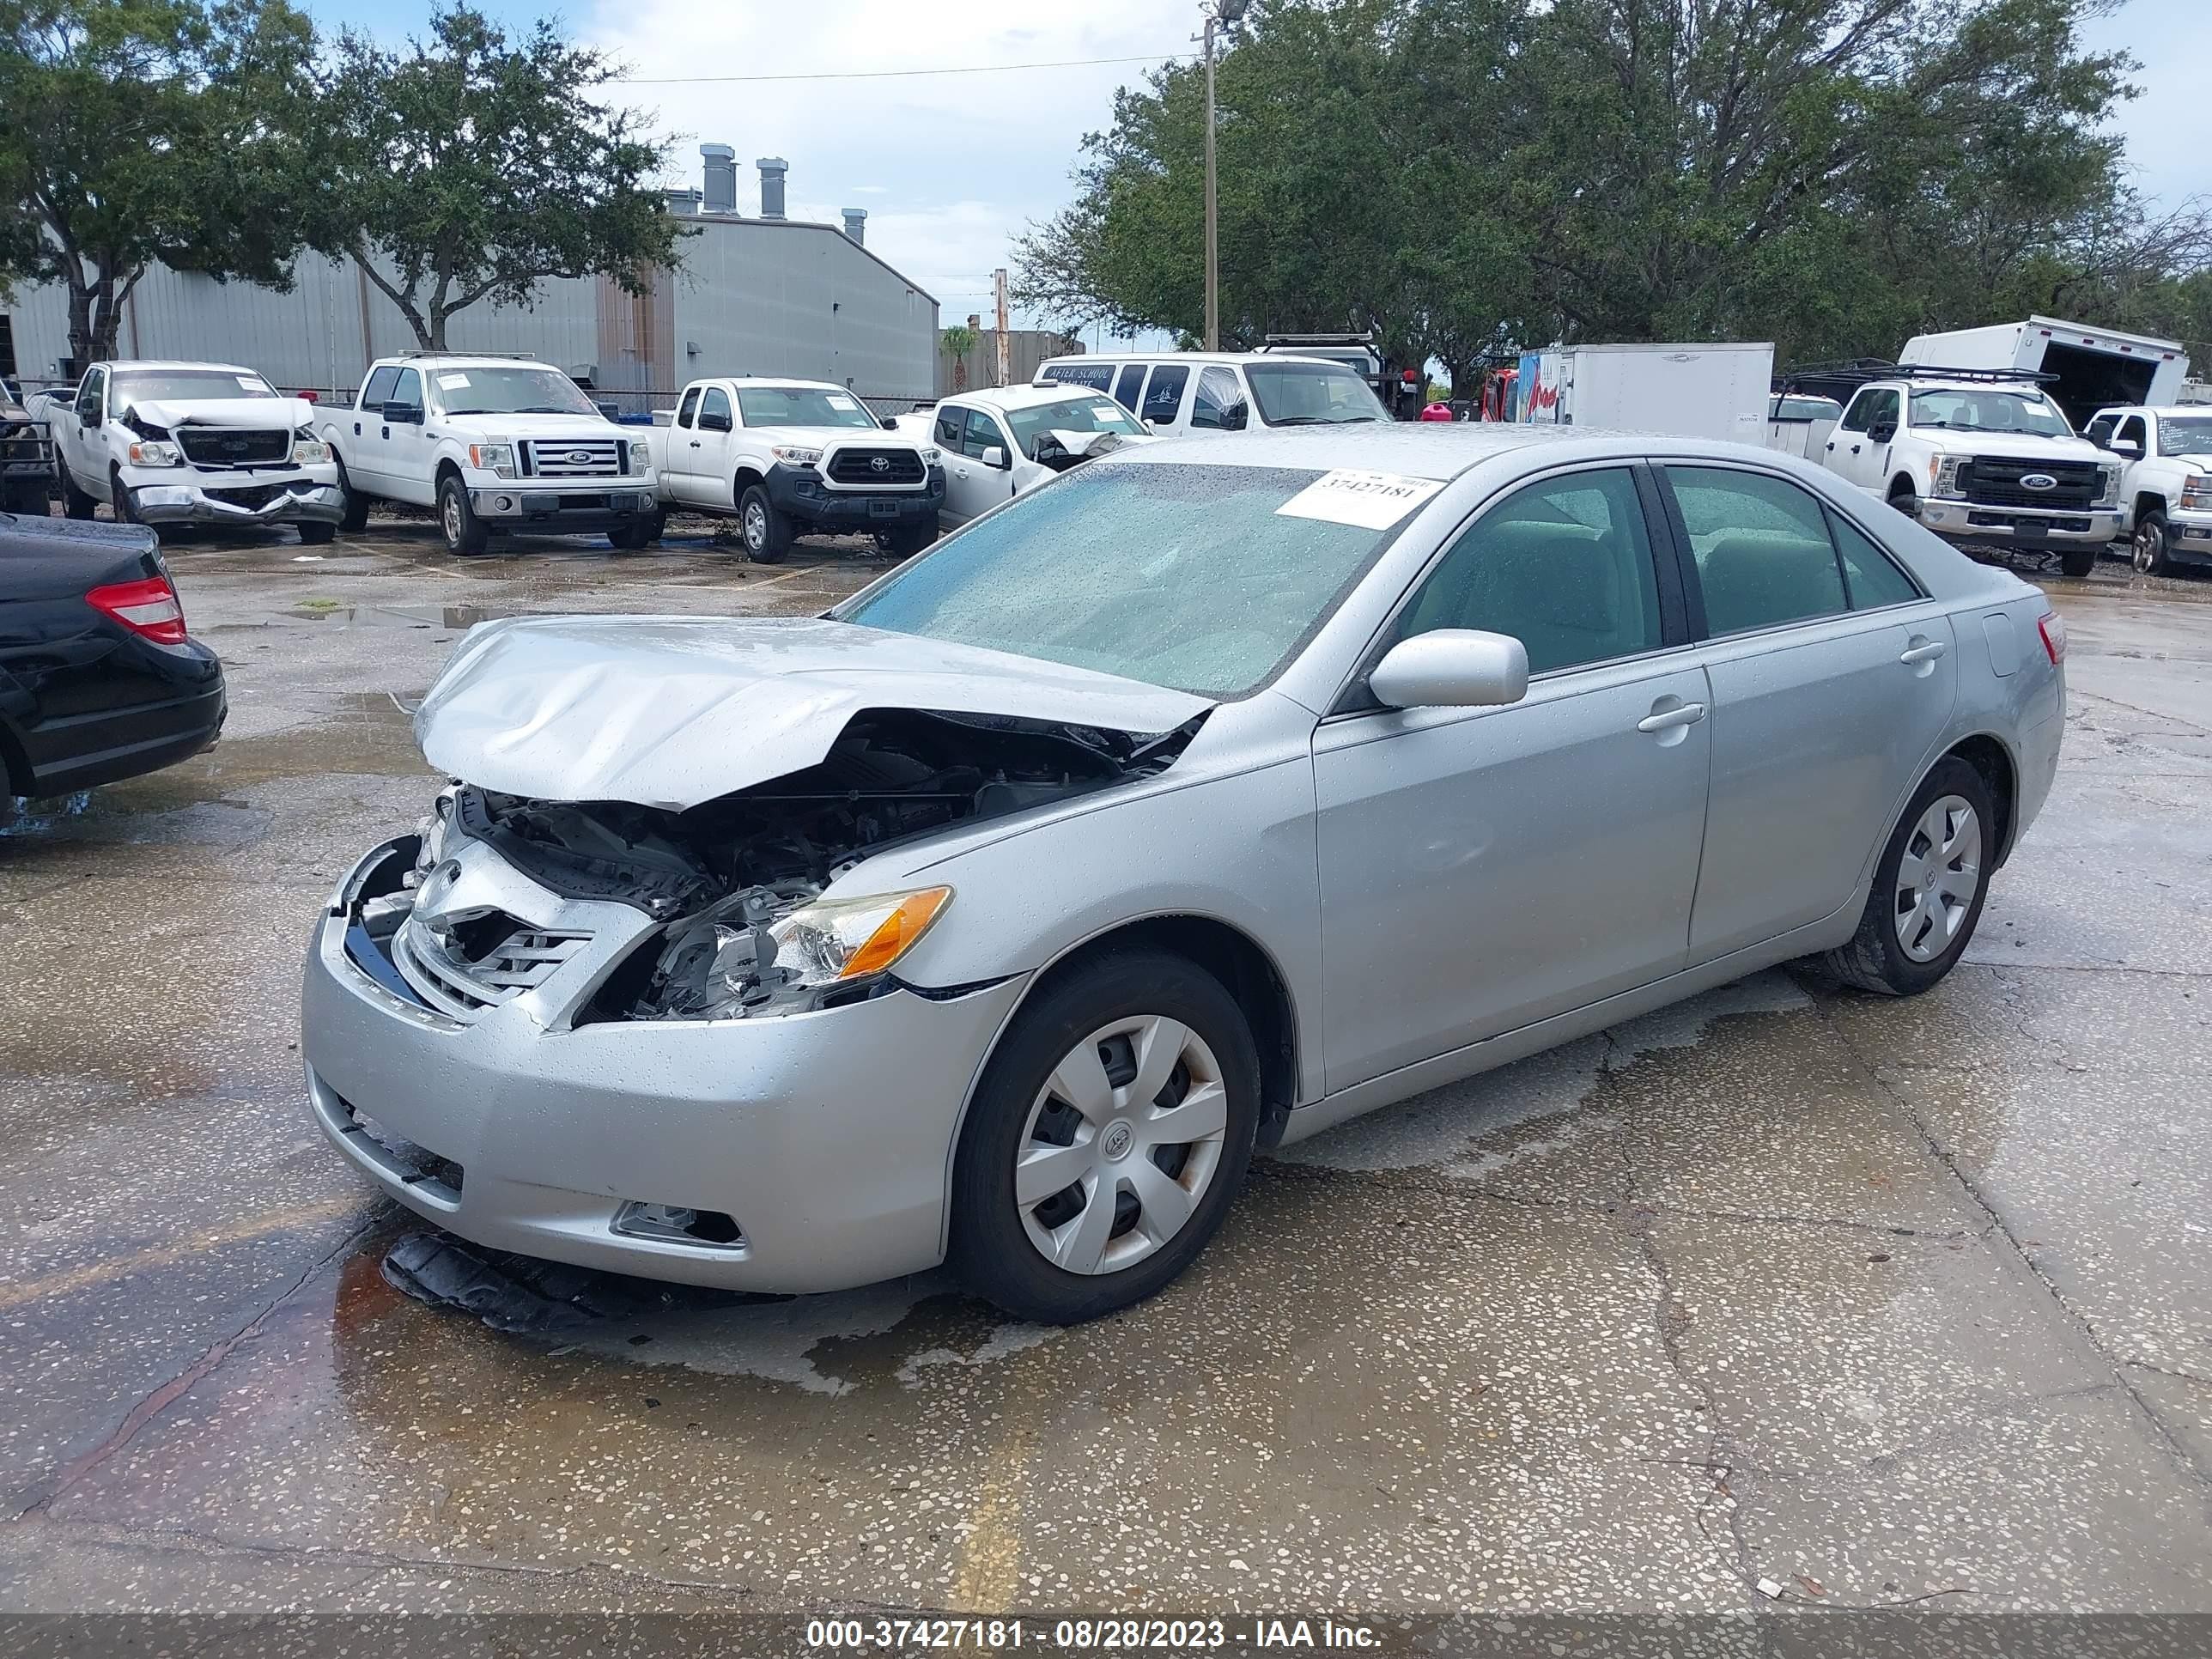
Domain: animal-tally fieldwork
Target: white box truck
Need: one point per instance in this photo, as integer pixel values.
(2095, 367)
(1712, 390)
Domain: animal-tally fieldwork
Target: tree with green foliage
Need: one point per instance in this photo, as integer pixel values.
(1463, 176)
(958, 340)
(469, 166)
(133, 131)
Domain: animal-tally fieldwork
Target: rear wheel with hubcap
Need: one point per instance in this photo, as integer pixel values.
(2147, 550)
(458, 523)
(1928, 888)
(1107, 1140)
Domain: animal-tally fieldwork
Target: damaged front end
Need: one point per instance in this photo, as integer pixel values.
(734, 886)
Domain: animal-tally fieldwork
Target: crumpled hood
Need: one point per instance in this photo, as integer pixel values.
(1099, 443)
(264, 414)
(672, 711)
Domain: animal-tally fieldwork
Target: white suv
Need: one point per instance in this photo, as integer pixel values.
(1981, 459)
(497, 445)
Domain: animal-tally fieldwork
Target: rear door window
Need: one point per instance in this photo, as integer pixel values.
(1127, 389)
(1761, 547)
(1164, 393)
(378, 392)
(684, 409)
(951, 426)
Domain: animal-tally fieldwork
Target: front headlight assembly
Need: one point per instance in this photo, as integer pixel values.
(498, 459)
(641, 455)
(796, 455)
(152, 452)
(748, 955)
(1943, 475)
(309, 452)
(2109, 495)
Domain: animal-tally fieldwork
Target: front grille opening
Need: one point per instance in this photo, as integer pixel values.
(483, 961)
(233, 446)
(679, 1224)
(876, 466)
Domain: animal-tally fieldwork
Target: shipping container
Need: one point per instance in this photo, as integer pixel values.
(2095, 367)
(1712, 390)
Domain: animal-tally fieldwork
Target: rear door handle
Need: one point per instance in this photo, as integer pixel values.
(1665, 720)
(1926, 651)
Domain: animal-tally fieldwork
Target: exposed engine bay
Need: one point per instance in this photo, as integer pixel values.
(735, 880)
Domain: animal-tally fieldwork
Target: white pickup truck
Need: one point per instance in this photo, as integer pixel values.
(498, 444)
(790, 458)
(2165, 486)
(171, 445)
(1983, 459)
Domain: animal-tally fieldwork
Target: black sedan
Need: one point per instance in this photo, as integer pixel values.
(98, 679)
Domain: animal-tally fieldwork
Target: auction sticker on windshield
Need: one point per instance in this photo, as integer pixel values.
(454, 382)
(1372, 501)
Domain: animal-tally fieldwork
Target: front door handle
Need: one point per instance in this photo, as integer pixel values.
(1855, 449)
(1668, 719)
(695, 443)
(1923, 651)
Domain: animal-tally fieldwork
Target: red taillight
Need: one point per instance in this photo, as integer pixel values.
(150, 607)
(2053, 629)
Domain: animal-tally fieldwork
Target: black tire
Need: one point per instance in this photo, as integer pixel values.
(315, 533)
(766, 533)
(354, 509)
(2078, 562)
(639, 533)
(463, 532)
(2148, 552)
(118, 497)
(1905, 502)
(76, 504)
(991, 1248)
(1876, 959)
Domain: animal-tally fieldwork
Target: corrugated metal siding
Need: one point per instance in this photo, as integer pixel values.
(801, 299)
(787, 299)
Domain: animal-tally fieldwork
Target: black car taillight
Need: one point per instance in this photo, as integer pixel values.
(150, 607)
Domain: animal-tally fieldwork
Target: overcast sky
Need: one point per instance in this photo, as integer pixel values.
(951, 167)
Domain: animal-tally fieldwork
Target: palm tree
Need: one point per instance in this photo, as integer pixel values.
(958, 341)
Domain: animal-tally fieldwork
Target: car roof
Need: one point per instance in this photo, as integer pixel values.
(421, 359)
(121, 363)
(774, 380)
(1200, 357)
(1437, 449)
(1026, 396)
(2189, 409)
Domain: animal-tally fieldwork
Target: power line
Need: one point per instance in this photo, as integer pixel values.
(890, 75)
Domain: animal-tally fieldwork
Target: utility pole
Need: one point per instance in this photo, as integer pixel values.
(1224, 13)
(1005, 346)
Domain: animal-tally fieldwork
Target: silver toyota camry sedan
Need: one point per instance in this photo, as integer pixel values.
(1196, 802)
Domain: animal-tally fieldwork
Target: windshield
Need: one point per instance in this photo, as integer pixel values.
(183, 384)
(1069, 415)
(1311, 394)
(2189, 436)
(1991, 410)
(1190, 577)
(484, 390)
(800, 405)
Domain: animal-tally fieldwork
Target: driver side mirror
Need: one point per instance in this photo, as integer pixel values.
(1452, 668)
(403, 414)
(1881, 432)
(2126, 446)
(714, 421)
(994, 456)
(1233, 417)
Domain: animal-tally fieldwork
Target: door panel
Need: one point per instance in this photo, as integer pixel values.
(1483, 870)
(679, 478)
(714, 466)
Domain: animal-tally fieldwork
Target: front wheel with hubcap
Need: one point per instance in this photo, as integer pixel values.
(1928, 888)
(1107, 1140)
(767, 532)
(353, 506)
(2147, 550)
(458, 523)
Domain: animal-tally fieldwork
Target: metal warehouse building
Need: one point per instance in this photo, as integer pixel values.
(758, 294)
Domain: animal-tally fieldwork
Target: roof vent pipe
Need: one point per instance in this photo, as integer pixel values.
(772, 169)
(856, 224)
(721, 178)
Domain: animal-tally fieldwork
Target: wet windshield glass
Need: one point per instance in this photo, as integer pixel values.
(1190, 577)
(1069, 415)
(180, 385)
(2192, 436)
(1311, 394)
(478, 389)
(1991, 411)
(800, 405)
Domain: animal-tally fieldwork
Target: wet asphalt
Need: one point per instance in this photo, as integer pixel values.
(1782, 1295)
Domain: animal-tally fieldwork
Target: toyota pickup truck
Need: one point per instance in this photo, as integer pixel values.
(171, 445)
(497, 446)
(2165, 482)
(791, 458)
(1982, 457)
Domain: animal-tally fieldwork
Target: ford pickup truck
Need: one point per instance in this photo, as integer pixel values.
(791, 458)
(497, 446)
(171, 445)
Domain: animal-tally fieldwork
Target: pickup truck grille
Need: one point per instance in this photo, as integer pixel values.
(877, 466)
(234, 445)
(1989, 481)
(571, 457)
